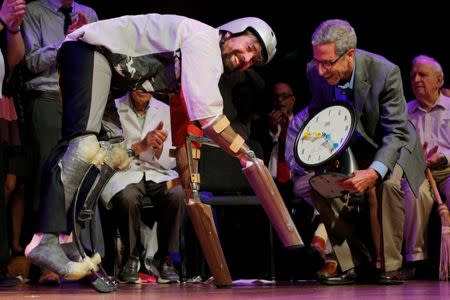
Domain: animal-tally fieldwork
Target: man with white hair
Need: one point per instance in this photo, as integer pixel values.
(429, 113)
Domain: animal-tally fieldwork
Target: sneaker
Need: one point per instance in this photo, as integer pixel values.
(129, 272)
(319, 244)
(167, 271)
(151, 267)
(329, 269)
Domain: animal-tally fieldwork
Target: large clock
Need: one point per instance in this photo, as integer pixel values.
(324, 135)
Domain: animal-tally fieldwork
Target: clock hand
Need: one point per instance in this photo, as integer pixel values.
(328, 146)
(331, 145)
(309, 136)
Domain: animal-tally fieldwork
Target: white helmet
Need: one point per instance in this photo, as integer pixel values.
(260, 29)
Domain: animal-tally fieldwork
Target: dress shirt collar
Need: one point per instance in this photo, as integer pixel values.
(443, 103)
(349, 84)
(56, 4)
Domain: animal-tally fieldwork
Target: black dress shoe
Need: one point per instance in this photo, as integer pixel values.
(347, 277)
(8, 281)
(391, 278)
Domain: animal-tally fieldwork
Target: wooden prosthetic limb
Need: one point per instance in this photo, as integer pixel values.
(264, 187)
(259, 178)
(201, 215)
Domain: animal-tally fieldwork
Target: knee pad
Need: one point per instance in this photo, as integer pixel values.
(75, 162)
(115, 153)
(221, 132)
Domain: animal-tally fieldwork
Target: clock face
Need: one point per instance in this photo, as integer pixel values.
(324, 135)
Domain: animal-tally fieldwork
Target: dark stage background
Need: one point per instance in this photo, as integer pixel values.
(397, 34)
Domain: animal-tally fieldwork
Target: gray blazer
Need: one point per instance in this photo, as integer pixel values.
(381, 114)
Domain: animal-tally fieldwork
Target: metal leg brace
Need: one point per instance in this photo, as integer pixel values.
(102, 283)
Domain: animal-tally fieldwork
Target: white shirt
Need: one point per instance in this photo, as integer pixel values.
(141, 38)
(154, 169)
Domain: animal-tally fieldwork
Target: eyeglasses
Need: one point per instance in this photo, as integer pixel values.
(282, 96)
(326, 63)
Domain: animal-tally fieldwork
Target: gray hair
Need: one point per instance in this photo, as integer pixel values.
(437, 68)
(336, 31)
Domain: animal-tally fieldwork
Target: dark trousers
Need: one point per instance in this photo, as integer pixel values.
(4, 248)
(348, 230)
(44, 117)
(76, 84)
(127, 206)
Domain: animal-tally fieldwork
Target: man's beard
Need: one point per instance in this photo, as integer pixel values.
(228, 63)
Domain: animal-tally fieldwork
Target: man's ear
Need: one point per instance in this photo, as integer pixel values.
(440, 80)
(351, 52)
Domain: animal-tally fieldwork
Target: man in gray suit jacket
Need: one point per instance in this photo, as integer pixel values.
(385, 144)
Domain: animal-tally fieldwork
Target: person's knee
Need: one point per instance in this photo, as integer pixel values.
(425, 195)
(391, 184)
(175, 198)
(127, 200)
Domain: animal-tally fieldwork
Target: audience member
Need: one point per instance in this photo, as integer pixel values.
(145, 122)
(429, 113)
(12, 13)
(283, 110)
(270, 131)
(45, 26)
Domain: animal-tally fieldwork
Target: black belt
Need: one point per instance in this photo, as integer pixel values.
(43, 94)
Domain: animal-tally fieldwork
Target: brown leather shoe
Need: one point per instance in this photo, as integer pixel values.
(328, 270)
(391, 278)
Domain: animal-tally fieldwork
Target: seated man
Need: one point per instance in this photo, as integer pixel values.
(283, 110)
(270, 131)
(145, 123)
(429, 113)
(386, 146)
(417, 211)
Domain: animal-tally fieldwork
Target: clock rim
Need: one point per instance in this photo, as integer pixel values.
(351, 109)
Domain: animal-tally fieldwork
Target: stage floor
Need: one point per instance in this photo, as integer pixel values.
(300, 290)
